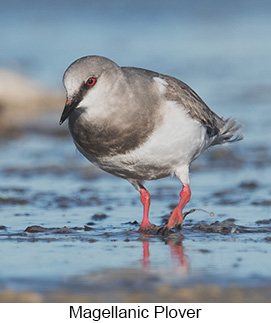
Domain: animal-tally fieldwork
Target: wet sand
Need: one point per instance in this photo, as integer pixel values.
(164, 294)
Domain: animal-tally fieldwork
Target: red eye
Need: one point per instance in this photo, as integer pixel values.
(91, 81)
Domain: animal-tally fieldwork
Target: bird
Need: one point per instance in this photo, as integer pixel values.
(140, 125)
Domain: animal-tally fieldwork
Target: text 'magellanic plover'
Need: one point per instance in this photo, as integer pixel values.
(140, 125)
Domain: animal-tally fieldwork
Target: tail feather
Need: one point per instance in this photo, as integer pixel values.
(229, 132)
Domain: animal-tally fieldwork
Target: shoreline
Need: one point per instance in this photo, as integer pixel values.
(197, 294)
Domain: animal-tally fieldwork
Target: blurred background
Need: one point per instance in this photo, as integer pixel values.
(222, 49)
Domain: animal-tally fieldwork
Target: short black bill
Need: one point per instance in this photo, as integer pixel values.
(68, 109)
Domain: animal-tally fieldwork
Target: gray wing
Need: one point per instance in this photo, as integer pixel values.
(219, 129)
(183, 94)
(196, 107)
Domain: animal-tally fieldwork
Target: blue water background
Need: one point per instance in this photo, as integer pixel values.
(222, 49)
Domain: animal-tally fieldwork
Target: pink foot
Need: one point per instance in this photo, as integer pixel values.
(144, 226)
(176, 218)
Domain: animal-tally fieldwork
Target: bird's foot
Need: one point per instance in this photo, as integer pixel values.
(174, 222)
(166, 230)
(148, 229)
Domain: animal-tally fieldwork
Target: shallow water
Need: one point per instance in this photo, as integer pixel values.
(66, 226)
(64, 222)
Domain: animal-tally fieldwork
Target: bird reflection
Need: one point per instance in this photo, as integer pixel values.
(146, 255)
(176, 251)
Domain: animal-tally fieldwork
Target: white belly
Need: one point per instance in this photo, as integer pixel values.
(177, 141)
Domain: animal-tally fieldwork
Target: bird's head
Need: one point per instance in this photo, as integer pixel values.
(82, 78)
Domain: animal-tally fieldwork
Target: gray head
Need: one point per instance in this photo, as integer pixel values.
(81, 77)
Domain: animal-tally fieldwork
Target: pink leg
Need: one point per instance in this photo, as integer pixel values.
(146, 201)
(176, 217)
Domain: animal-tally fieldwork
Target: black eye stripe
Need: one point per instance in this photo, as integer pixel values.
(84, 89)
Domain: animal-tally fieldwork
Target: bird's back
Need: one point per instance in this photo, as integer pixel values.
(219, 129)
